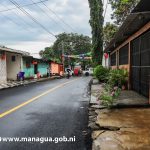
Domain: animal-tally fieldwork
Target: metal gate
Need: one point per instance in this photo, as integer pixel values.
(140, 64)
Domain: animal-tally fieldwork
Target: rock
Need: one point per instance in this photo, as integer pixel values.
(93, 119)
(124, 139)
(123, 118)
(95, 81)
(91, 109)
(93, 100)
(92, 113)
(95, 134)
(95, 106)
(93, 126)
(124, 129)
(97, 111)
(106, 143)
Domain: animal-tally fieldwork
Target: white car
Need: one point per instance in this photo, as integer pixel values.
(88, 72)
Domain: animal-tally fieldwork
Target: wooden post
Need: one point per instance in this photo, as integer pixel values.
(117, 59)
(149, 89)
(129, 63)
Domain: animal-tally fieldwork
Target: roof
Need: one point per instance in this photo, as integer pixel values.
(142, 6)
(56, 63)
(14, 51)
(137, 19)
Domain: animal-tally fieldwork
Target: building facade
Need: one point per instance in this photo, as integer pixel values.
(10, 63)
(130, 49)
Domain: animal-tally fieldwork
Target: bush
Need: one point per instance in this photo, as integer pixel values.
(101, 73)
(109, 95)
(118, 77)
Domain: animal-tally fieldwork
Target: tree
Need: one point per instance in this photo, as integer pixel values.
(121, 9)
(48, 54)
(108, 33)
(73, 44)
(96, 22)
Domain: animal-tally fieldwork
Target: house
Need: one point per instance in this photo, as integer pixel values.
(14, 61)
(33, 66)
(41, 66)
(130, 48)
(56, 68)
(10, 63)
(28, 67)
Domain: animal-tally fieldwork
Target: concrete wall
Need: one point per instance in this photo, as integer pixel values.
(29, 71)
(3, 72)
(54, 68)
(13, 67)
(105, 62)
(42, 68)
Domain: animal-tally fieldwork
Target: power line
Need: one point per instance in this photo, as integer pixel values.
(47, 14)
(58, 16)
(23, 6)
(8, 18)
(31, 17)
(24, 21)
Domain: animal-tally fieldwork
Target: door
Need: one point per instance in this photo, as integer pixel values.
(140, 64)
(35, 69)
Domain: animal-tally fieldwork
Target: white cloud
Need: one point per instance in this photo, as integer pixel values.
(32, 47)
(26, 35)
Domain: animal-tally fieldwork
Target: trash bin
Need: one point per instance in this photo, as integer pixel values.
(20, 76)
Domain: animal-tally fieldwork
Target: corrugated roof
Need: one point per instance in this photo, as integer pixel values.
(133, 23)
(15, 51)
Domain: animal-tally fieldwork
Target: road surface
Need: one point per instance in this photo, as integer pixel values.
(50, 109)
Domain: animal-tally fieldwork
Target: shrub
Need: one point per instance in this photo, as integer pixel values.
(118, 77)
(109, 95)
(101, 73)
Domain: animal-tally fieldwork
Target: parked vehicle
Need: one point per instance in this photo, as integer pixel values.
(88, 71)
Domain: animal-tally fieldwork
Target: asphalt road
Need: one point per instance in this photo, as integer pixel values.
(46, 109)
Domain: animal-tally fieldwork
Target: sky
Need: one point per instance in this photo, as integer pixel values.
(19, 31)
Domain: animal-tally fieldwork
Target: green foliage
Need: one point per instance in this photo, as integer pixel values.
(118, 77)
(96, 22)
(109, 32)
(112, 90)
(73, 44)
(109, 95)
(101, 73)
(48, 54)
(107, 99)
(122, 8)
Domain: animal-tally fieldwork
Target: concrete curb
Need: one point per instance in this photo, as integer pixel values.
(17, 84)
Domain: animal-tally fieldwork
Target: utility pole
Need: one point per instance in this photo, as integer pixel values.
(63, 58)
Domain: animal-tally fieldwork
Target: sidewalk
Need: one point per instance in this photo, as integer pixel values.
(126, 126)
(10, 84)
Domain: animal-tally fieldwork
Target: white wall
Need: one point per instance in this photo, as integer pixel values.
(105, 63)
(3, 72)
(13, 67)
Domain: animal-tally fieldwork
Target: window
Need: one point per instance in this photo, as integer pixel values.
(13, 58)
(123, 55)
(113, 59)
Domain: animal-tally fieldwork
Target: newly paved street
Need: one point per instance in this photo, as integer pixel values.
(45, 109)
